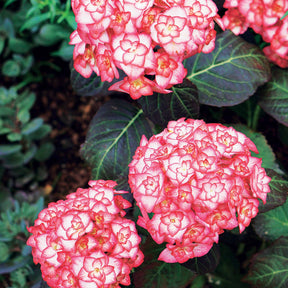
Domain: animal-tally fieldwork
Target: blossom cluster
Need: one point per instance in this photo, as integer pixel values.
(196, 179)
(265, 18)
(84, 241)
(147, 39)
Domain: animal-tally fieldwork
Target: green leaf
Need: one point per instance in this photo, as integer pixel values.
(9, 149)
(30, 153)
(26, 100)
(274, 96)
(278, 192)
(23, 116)
(230, 74)
(20, 46)
(7, 112)
(11, 68)
(269, 268)
(45, 151)
(50, 34)
(157, 274)
(32, 126)
(40, 133)
(35, 20)
(14, 160)
(162, 108)
(265, 150)
(113, 136)
(14, 136)
(272, 224)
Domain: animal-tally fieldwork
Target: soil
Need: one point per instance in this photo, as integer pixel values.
(69, 115)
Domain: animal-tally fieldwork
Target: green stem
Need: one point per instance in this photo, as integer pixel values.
(255, 119)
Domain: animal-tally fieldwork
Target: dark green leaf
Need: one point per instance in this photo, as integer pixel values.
(269, 268)
(40, 133)
(23, 116)
(265, 150)
(112, 138)
(65, 51)
(30, 153)
(8, 268)
(45, 151)
(32, 126)
(92, 86)
(162, 108)
(20, 46)
(11, 68)
(274, 96)
(272, 224)
(13, 160)
(50, 34)
(7, 112)
(278, 192)
(230, 74)
(157, 274)
(9, 149)
(206, 263)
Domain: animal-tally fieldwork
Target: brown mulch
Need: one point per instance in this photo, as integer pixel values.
(69, 115)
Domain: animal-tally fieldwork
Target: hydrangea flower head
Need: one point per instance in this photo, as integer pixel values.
(142, 38)
(84, 241)
(197, 179)
(265, 18)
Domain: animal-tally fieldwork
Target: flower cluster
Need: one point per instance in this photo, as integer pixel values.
(84, 241)
(147, 37)
(197, 179)
(264, 17)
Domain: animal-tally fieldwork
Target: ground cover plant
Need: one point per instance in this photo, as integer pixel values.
(185, 190)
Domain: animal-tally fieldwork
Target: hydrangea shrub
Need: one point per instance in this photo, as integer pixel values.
(197, 179)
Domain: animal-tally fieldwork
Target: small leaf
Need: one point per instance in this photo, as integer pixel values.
(14, 137)
(230, 74)
(162, 108)
(272, 224)
(278, 192)
(32, 126)
(20, 46)
(157, 274)
(274, 96)
(14, 160)
(50, 34)
(26, 100)
(9, 149)
(11, 68)
(35, 20)
(269, 268)
(23, 116)
(113, 136)
(40, 133)
(30, 153)
(7, 112)
(45, 151)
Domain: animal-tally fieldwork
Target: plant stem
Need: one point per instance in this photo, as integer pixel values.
(255, 119)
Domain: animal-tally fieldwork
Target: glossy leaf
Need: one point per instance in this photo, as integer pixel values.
(112, 138)
(230, 74)
(158, 274)
(278, 192)
(269, 268)
(182, 102)
(274, 96)
(272, 224)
